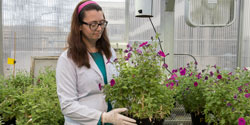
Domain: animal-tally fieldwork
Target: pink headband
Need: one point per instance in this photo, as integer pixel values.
(84, 4)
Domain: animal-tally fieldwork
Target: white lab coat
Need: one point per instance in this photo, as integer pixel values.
(78, 91)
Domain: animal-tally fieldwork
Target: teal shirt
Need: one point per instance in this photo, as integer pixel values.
(98, 58)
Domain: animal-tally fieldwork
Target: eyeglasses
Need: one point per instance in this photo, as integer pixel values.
(94, 25)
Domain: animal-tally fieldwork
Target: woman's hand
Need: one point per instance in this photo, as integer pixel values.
(116, 118)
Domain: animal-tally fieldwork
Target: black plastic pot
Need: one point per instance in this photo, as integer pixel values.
(148, 122)
(198, 119)
(11, 121)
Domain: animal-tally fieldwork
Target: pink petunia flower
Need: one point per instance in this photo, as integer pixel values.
(129, 55)
(214, 66)
(173, 77)
(161, 54)
(128, 46)
(112, 82)
(198, 75)
(139, 51)
(195, 84)
(174, 70)
(219, 77)
(247, 95)
(165, 65)
(211, 73)
(241, 121)
(196, 63)
(100, 86)
(167, 85)
(143, 44)
(245, 68)
(126, 51)
(171, 84)
(235, 96)
(183, 72)
(108, 61)
(229, 104)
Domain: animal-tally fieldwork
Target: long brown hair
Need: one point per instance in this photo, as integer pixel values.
(77, 49)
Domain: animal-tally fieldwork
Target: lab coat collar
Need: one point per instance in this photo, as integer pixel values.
(95, 67)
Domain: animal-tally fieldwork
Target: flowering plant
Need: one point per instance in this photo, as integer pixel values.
(190, 86)
(140, 85)
(228, 98)
(220, 95)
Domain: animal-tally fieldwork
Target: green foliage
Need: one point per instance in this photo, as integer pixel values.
(139, 86)
(221, 95)
(226, 97)
(30, 103)
(189, 94)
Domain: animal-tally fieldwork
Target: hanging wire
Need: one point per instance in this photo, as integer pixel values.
(160, 46)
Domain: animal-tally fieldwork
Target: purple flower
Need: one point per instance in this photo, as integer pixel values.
(195, 84)
(126, 58)
(219, 77)
(129, 55)
(211, 73)
(245, 68)
(165, 65)
(214, 66)
(108, 61)
(139, 51)
(171, 84)
(246, 90)
(143, 44)
(115, 60)
(230, 73)
(100, 86)
(173, 77)
(229, 104)
(183, 72)
(247, 84)
(196, 63)
(174, 70)
(240, 89)
(198, 76)
(161, 53)
(126, 51)
(167, 85)
(206, 77)
(128, 46)
(112, 82)
(191, 74)
(241, 121)
(247, 95)
(235, 96)
(233, 109)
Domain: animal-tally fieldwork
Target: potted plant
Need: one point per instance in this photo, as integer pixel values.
(190, 90)
(228, 98)
(140, 85)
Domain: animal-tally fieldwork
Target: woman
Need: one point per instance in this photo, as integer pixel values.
(84, 68)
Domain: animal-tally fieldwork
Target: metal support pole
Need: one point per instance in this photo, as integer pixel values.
(126, 35)
(240, 32)
(1, 41)
(167, 30)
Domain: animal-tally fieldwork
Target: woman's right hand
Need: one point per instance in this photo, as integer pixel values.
(116, 118)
